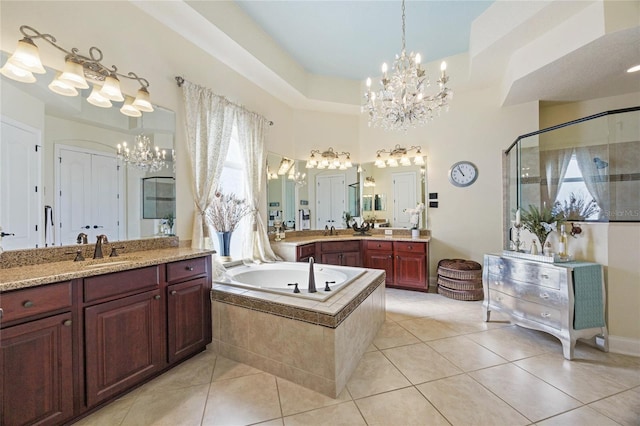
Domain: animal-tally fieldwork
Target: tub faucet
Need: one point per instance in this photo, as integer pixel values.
(97, 254)
(82, 238)
(312, 277)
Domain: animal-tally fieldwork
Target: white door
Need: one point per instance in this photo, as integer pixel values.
(88, 195)
(20, 187)
(404, 197)
(330, 201)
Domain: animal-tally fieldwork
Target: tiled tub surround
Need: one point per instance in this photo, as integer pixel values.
(314, 344)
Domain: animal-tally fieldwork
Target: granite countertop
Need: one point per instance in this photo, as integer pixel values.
(47, 273)
(300, 240)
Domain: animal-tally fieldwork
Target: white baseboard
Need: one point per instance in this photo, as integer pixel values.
(624, 345)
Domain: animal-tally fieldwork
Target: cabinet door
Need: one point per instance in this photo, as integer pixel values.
(381, 260)
(351, 258)
(123, 344)
(36, 372)
(189, 318)
(411, 271)
(331, 258)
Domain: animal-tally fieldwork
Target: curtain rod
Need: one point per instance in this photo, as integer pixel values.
(180, 82)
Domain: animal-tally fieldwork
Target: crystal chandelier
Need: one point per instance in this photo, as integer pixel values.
(401, 102)
(329, 159)
(79, 70)
(142, 156)
(298, 178)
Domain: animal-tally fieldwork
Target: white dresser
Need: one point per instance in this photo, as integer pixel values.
(566, 300)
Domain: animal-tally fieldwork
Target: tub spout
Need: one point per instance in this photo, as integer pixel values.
(312, 277)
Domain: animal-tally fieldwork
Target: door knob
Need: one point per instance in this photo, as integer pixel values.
(6, 234)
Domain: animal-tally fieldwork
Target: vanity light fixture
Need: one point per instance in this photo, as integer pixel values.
(285, 165)
(78, 71)
(399, 156)
(329, 159)
(369, 182)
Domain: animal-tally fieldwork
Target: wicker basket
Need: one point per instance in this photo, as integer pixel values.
(466, 295)
(460, 279)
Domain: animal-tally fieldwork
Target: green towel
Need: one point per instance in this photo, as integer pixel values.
(587, 290)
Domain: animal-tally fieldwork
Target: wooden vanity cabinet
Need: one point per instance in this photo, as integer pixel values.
(379, 255)
(124, 331)
(305, 251)
(410, 265)
(343, 253)
(36, 349)
(188, 307)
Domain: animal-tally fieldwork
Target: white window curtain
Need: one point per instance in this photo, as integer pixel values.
(251, 130)
(554, 166)
(209, 122)
(596, 178)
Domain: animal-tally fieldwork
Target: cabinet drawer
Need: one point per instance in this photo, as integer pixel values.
(339, 246)
(186, 268)
(540, 313)
(527, 272)
(34, 301)
(379, 245)
(530, 292)
(121, 283)
(410, 247)
(306, 250)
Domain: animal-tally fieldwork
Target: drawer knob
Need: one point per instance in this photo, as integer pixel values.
(545, 276)
(379, 245)
(173, 292)
(189, 268)
(544, 296)
(67, 323)
(28, 304)
(545, 314)
(157, 297)
(410, 247)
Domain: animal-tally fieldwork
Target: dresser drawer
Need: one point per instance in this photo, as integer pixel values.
(530, 292)
(412, 247)
(339, 246)
(542, 314)
(497, 298)
(21, 304)
(379, 245)
(121, 283)
(527, 272)
(186, 269)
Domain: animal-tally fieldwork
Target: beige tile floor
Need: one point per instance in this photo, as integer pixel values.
(434, 362)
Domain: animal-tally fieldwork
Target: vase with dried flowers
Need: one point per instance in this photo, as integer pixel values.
(224, 215)
(541, 222)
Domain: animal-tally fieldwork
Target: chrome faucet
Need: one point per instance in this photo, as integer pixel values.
(82, 238)
(333, 230)
(312, 277)
(97, 254)
(326, 230)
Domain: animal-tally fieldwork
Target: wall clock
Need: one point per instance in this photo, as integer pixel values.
(463, 173)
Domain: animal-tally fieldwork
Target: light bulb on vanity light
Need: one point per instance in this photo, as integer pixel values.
(16, 73)
(62, 87)
(27, 57)
(111, 88)
(95, 98)
(73, 74)
(129, 110)
(142, 101)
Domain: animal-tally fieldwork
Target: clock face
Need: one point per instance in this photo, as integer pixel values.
(463, 173)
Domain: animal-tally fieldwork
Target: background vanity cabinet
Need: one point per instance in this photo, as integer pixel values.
(343, 253)
(305, 251)
(379, 255)
(124, 331)
(188, 307)
(410, 265)
(566, 300)
(36, 353)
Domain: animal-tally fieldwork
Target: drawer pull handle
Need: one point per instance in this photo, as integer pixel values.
(189, 268)
(544, 296)
(28, 304)
(157, 297)
(410, 247)
(500, 266)
(67, 323)
(379, 245)
(545, 276)
(173, 292)
(545, 314)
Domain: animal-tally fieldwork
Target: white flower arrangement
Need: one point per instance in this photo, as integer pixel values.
(414, 218)
(226, 211)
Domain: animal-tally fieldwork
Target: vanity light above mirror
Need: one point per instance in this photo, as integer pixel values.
(79, 70)
(399, 156)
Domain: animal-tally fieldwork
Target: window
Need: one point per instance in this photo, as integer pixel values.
(575, 199)
(232, 180)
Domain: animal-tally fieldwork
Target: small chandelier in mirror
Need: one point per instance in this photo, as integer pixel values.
(142, 155)
(401, 102)
(329, 159)
(399, 156)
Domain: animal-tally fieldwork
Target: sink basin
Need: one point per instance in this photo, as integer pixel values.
(106, 264)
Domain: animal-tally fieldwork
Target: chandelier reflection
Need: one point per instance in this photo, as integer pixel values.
(401, 102)
(142, 156)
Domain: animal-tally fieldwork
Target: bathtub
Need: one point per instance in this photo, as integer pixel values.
(275, 277)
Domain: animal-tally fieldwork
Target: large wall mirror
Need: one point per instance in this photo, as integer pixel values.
(54, 146)
(312, 199)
